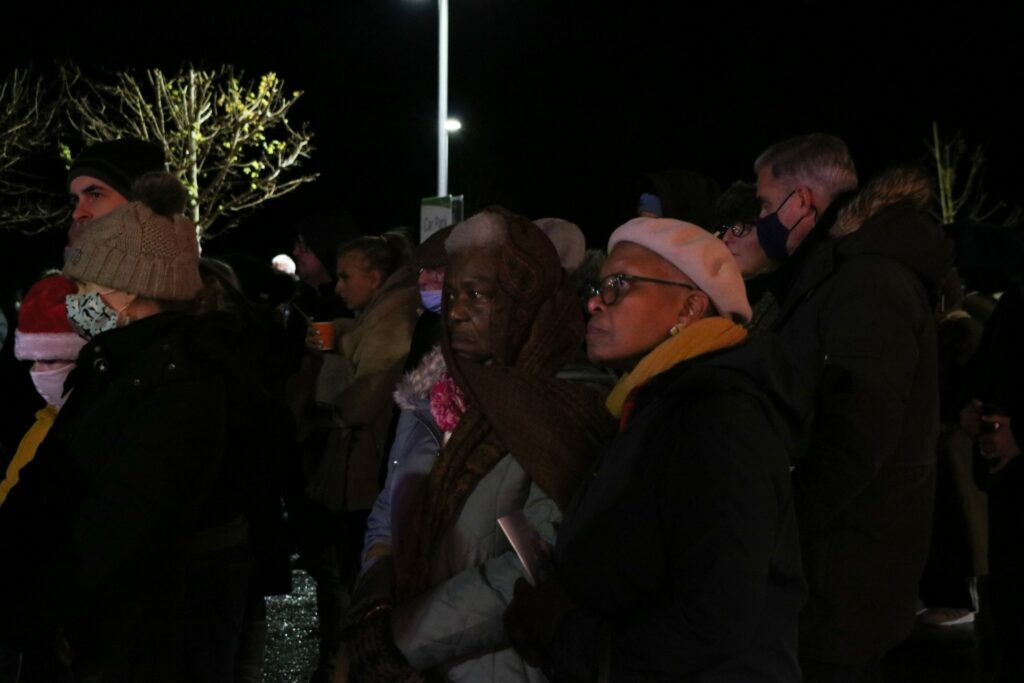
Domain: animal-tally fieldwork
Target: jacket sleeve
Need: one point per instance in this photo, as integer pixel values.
(462, 617)
(723, 509)
(378, 523)
(411, 455)
(870, 330)
(378, 362)
(408, 436)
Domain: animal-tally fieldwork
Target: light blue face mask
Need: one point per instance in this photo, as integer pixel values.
(89, 315)
(431, 300)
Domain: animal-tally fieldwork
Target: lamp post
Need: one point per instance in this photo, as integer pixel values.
(442, 98)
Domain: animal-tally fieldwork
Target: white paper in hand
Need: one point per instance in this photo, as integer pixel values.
(531, 548)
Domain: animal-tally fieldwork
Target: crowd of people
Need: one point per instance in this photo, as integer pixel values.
(755, 450)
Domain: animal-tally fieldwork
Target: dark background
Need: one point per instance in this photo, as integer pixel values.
(565, 105)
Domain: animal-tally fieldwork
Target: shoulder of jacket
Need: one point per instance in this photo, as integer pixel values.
(417, 383)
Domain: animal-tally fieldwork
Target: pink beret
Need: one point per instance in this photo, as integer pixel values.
(696, 252)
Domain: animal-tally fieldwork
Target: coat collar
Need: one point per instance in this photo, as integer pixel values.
(108, 353)
(886, 218)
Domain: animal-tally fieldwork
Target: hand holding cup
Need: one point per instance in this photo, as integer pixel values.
(321, 336)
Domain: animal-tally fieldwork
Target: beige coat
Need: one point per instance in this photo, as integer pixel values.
(374, 351)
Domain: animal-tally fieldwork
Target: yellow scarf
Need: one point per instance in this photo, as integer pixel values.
(703, 336)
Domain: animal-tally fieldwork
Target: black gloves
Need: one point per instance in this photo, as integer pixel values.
(533, 616)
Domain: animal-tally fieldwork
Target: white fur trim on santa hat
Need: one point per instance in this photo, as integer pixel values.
(47, 345)
(699, 254)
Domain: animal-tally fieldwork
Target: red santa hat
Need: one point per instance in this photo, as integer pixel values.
(44, 332)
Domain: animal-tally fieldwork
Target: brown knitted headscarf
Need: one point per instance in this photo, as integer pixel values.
(553, 428)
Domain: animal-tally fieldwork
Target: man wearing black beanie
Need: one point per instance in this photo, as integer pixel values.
(101, 177)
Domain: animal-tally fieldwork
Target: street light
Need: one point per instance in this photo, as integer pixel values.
(442, 98)
(437, 212)
(443, 124)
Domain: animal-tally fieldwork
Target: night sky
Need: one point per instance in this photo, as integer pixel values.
(565, 105)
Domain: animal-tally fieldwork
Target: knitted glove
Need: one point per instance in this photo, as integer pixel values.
(374, 656)
(376, 586)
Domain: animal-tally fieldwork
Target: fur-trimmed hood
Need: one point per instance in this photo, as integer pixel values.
(897, 186)
(889, 217)
(416, 384)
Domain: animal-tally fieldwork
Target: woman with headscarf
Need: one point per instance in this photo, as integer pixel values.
(678, 559)
(486, 429)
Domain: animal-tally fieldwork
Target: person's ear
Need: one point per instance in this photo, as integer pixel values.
(376, 278)
(695, 306)
(807, 201)
(122, 303)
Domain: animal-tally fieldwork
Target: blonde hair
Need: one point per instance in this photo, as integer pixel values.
(386, 253)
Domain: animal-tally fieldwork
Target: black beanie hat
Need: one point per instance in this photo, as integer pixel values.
(118, 163)
(430, 254)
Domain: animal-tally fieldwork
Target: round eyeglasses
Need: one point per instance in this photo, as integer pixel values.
(738, 229)
(612, 288)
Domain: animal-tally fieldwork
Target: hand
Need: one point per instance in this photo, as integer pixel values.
(970, 417)
(533, 616)
(998, 444)
(375, 586)
(314, 342)
(373, 656)
(520, 637)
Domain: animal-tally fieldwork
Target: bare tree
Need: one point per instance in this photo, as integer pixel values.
(228, 139)
(27, 131)
(961, 197)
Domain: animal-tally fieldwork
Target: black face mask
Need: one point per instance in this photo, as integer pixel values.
(772, 234)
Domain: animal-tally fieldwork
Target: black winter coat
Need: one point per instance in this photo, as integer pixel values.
(858, 321)
(997, 370)
(164, 443)
(682, 550)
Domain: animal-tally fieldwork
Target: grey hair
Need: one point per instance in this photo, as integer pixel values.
(819, 160)
(485, 229)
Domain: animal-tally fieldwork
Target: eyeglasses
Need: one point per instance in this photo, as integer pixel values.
(612, 288)
(738, 229)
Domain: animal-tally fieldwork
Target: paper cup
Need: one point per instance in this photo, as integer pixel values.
(325, 333)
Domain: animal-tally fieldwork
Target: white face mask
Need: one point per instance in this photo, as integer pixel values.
(50, 384)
